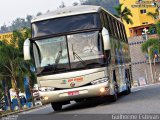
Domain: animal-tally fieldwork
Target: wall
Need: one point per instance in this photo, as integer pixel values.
(140, 65)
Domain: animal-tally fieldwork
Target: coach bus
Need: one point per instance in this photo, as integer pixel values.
(80, 52)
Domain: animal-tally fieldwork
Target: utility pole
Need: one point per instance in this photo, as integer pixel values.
(145, 37)
(155, 73)
(150, 64)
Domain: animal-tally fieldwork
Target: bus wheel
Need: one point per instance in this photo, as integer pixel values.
(128, 89)
(114, 97)
(56, 106)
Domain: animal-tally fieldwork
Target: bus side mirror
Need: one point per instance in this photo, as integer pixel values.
(26, 49)
(106, 40)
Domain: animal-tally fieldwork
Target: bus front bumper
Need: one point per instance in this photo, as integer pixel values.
(101, 89)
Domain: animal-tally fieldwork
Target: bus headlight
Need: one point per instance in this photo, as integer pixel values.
(99, 81)
(46, 89)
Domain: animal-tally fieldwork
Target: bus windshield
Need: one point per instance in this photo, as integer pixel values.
(65, 24)
(83, 50)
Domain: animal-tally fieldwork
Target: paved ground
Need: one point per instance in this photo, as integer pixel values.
(142, 100)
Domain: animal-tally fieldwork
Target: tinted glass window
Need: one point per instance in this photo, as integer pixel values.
(89, 52)
(65, 24)
(110, 25)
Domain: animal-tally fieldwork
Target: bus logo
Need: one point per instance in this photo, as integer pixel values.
(64, 81)
(72, 84)
(78, 79)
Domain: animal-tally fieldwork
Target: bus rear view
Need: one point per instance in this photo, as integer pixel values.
(72, 53)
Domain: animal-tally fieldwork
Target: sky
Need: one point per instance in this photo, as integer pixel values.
(12, 9)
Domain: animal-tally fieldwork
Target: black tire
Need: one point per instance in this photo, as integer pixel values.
(56, 106)
(79, 100)
(114, 97)
(128, 83)
(128, 91)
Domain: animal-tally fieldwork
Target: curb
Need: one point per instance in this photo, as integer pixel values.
(146, 85)
(19, 111)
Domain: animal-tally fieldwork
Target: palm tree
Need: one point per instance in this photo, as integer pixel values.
(5, 90)
(154, 15)
(12, 62)
(18, 38)
(152, 44)
(150, 47)
(5, 77)
(124, 14)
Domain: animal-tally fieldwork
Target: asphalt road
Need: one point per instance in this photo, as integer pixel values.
(142, 100)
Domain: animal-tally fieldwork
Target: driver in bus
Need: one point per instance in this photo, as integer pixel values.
(47, 59)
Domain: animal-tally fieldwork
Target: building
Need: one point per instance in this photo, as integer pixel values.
(141, 69)
(6, 36)
(141, 20)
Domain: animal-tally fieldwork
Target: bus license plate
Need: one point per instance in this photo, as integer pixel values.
(73, 93)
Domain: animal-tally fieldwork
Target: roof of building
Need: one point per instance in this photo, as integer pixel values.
(141, 26)
(67, 11)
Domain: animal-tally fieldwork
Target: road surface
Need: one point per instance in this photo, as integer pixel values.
(142, 100)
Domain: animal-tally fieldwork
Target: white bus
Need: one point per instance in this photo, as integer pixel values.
(80, 52)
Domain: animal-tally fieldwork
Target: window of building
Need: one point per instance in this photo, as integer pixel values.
(145, 23)
(143, 11)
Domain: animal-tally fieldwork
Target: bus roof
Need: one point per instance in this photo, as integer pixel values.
(68, 11)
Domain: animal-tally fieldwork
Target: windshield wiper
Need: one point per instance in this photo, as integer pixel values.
(76, 55)
(58, 58)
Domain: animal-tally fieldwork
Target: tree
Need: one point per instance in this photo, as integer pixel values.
(154, 15)
(62, 5)
(124, 14)
(4, 29)
(18, 24)
(39, 13)
(152, 44)
(1, 91)
(4, 77)
(75, 4)
(28, 21)
(107, 4)
(18, 38)
(152, 47)
(12, 62)
(90, 2)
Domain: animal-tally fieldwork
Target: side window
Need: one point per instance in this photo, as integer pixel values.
(115, 28)
(102, 20)
(118, 30)
(121, 32)
(105, 20)
(125, 36)
(110, 25)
